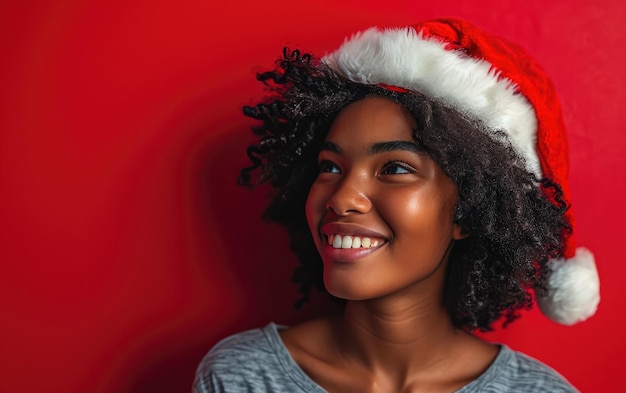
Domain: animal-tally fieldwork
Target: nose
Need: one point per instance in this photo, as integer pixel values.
(349, 197)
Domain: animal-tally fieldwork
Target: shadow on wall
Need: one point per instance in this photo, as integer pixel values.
(256, 263)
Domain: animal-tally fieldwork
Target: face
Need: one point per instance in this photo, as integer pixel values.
(380, 211)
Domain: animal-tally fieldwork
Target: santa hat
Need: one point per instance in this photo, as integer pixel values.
(496, 81)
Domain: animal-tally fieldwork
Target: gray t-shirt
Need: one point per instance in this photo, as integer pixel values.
(257, 361)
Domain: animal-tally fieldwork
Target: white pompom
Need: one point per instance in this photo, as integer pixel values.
(573, 289)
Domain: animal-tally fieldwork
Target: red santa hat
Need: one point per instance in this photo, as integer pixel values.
(496, 81)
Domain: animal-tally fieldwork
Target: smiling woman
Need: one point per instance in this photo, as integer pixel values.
(376, 185)
(421, 174)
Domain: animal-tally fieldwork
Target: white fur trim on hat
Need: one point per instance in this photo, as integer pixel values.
(573, 289)
(405, 58)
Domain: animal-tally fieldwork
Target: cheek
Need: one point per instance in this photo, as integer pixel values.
(402, 207)
(418, 211)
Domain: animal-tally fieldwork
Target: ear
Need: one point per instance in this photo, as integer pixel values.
(459, 232)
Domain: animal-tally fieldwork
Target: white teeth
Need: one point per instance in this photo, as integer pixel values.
(338, 241)
(346, 242)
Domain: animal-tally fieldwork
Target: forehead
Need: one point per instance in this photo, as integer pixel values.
(372, 119)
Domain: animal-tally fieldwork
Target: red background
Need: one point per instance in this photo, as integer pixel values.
(126, 248)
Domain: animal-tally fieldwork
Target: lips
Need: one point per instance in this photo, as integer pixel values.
(350, 229)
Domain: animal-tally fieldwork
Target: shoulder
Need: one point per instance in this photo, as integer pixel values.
(253, 361)
(538, 376)
(517, 372)
(244, 348)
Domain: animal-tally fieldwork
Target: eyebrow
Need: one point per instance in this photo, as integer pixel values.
(379, 147)
(330, 146)
(382, 147)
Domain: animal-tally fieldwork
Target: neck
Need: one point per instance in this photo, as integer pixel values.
(398, 337)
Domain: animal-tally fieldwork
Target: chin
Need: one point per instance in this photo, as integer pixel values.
(347, 290)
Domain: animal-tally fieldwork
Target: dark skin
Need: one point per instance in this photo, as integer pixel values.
(395, 334)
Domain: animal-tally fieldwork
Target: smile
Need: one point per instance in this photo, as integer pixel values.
(347, 241)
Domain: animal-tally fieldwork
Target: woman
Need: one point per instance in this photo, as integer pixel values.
(421, 174)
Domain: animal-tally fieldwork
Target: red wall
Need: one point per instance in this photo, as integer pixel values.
(126, 248)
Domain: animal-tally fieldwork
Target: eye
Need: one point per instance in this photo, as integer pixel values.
(328, 167)
(396, 168)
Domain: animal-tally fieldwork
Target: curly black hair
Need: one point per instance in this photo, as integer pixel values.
(515, 221)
